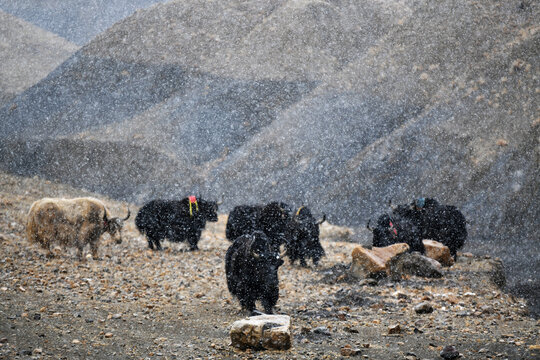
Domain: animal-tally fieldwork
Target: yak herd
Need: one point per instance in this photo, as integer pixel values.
(257, 233)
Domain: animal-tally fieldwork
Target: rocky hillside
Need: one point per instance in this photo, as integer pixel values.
(339, 105)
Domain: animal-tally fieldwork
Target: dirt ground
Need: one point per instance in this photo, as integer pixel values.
(134, 303)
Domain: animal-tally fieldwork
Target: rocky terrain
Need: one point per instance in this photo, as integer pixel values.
(174, 304)
(338, 105)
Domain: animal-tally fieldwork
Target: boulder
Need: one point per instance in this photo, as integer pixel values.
(368, 262)
(437, 251)
(413, 264)
(263, 332)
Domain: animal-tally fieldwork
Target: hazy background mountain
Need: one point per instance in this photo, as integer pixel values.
(27, 54)
(339, 105)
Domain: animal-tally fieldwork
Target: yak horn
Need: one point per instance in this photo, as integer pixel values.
(322, 220)
(367, 225)
(127, 217)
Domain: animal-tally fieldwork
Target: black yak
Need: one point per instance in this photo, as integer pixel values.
(397, 228)
(242, 220)
(445, 224)
(272, 219)
(304, 237)
(423, 218)
(175, 220)
(251, 267)
(72, 222)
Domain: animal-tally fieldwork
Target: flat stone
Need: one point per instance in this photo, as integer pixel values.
(269, 332)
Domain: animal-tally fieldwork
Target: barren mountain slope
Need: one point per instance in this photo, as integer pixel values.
(27, 54)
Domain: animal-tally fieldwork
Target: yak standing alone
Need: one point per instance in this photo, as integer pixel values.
(175, 220)
(251, 267)
(72, 222)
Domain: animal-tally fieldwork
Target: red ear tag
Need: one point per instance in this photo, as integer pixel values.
(393, 228)
(192, 199)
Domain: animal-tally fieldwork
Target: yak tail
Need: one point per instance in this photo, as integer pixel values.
(322, 220)
(367, 225)
(31, 226)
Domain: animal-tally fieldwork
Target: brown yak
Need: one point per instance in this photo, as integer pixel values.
(71, 222)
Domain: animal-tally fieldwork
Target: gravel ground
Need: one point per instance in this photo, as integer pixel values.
(134, 303)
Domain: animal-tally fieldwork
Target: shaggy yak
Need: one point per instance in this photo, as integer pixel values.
(272, 219)
(424, 218)
(71, 222)
(304, 242)
(175, 220)
(251, 267)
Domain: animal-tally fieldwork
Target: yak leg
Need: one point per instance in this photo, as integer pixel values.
(153, 241)
(270, 299)
(267, 305)
(47, 246)
(193, 239)
(94, 249)
(80, 248)
(248, 304)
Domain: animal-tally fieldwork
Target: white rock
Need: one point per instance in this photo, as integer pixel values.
(270, 332)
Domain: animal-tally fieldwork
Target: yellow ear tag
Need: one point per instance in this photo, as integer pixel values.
(193, 200)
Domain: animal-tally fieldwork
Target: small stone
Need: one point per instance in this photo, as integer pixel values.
(423, 308)
(449, 353)
(76, 341)
(37, 316)
(394, 329)
(347, 350)
(3, 340)
(37, 351)
(108, 335)
(437, 251)
(322, 330)
(117, 316)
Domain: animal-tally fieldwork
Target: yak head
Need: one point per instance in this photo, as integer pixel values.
(210, 210)
(202, 210)
(263, 253)
(114, 225)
